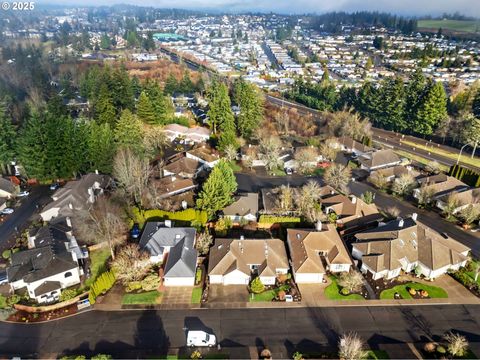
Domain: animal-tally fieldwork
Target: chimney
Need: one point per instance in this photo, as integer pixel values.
(400, 223)
(414, 216)
(318, 226)
(354, 199)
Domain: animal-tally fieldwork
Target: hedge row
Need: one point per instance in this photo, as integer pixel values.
(468, 176)
(141, 216)
(103, 283)
(269, 219)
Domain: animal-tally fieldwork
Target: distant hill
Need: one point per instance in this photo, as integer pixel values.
(455, 26)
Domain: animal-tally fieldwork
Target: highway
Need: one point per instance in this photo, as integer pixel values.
(241, 332)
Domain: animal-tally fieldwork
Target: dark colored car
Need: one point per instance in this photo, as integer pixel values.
(135, 231)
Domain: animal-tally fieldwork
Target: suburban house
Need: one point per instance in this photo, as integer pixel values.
(349, 145)
(290, 162)
(174, 248)
(378, 160)
(252, 153)
(394, 172)
(75, 196)
(405, 244)
(236, 261)
(439, 185)
(182, 166)
(7, 188)
(53, 262)
(314, 252)
(206, 156)
(245, 207)
(194, 134)
(352, 212)
(171, 185)
(463, 199)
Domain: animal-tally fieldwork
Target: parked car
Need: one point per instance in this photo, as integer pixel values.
(289, 171)
(200, 338)
(7, 211)
(135, 231)
(54, 186)
(23, 193)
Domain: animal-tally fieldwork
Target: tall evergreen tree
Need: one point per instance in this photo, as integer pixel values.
(251, 108)
(391, 94)
(101, 147)
(162, 106)
(8, 137)
(476, 104)
(414, 93)
(432, 109)
(104, 108)
(171, 85)
(368, 101)
(220, 112)
(217, 191)
(128, 133)
(145, 110)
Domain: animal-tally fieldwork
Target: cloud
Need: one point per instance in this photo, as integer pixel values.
(403, 7)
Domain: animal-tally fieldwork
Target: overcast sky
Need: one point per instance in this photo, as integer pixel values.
(404, 7)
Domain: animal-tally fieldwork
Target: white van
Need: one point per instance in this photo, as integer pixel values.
(200, 338)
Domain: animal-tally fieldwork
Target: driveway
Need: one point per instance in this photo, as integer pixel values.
(218, 293)
(248, 182)
(176, 295)
(39, 196)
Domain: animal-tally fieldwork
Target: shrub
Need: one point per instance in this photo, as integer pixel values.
(281, 295)
(7, 253)
(440, 349)
(297, 356)
(196, 355)
(101, 357)
(3, 302)
(191, 215)
(429, 347)
(198, 276)
(345, 291)
(133, 286)
(13, 299)
(151, 282)
(269, 219)
(256, 286)
(103, 283)
(68, 294)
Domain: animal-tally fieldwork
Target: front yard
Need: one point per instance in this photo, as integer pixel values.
(269, 295)
(197, 295)
(98, 264)
(144, 298)
(433, 292)
(332, 292)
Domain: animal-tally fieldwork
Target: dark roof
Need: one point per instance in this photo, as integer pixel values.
(47, 287)
(182, 259)
(7, 186)
(244, 204)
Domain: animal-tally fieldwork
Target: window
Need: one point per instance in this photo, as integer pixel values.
(68, 274)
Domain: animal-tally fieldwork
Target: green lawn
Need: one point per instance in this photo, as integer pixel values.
(454, 25)
(451, 155)
(268, 295)
(433, 291)
(98, 264)
(278, 172)
(420, 159)
(235, 167)
(149, 297)
(332, 292)
(197, 295)
(377, 354)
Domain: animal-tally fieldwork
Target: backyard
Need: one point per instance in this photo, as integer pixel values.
(433, 291)
(332, 292)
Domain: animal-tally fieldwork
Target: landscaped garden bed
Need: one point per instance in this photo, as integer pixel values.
(466, 277)
(284, 286)
(334, 291)
(29, 317)
(413, 290)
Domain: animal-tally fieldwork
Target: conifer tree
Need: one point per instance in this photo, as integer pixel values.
(145, 110)
(218, 189)
(100, 147)
(432, 109)
(128, 133)
(104, 108)
(171, 85)
(8, 137)
(220, 114)
(250, 102)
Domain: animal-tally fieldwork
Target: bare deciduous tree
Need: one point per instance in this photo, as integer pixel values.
(308, 201)
(350, 347)
(103, 223)
(270, 148)
(231, 152)
(204, 241)
(404, 184)
(345, 123)
(154, 140)
(285, 199)
(425, 196)
(451, 205)
(392, 212)
(132, 172)
(131, 264)
(352, 281)
(457, 344)
(378, 180)
(306, 159)
(329, 149)
(338, 177)
(470, 214)
(433, 167)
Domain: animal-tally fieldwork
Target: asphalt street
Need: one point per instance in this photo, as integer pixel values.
(39, 195)
(142, 333)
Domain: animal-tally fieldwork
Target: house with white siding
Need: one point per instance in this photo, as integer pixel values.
(407, 245)
(237, 261)
(315, 252)
(245, 207)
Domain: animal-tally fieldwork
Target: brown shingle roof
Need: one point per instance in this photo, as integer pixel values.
(379, 158)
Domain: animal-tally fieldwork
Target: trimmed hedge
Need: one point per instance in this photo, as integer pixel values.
(269, 219)
(191, 215)
(103, 283)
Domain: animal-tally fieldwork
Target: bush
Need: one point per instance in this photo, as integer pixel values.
(68, 294)
(13, 299)
(7, 253)
(256, 286)
(3, 302)
(429, 347)
(440, 349)
(101, 357)
(345, 291)
(133, 286)
(191, 215)
(103, 283)
(269, 219)
(281, 295)
(151, 282)
(198, 276)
